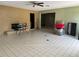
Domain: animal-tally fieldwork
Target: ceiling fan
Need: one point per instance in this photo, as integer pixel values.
(36, 3)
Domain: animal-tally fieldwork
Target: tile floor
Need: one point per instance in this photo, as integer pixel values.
(38, 44)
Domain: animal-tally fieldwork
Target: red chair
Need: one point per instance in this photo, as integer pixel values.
(59, 26)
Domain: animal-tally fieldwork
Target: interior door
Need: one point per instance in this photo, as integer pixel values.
(43, 20)
(73, 29)
(32, 20)
(48, 20)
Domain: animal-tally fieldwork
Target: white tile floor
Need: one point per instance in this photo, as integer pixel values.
(38, 44)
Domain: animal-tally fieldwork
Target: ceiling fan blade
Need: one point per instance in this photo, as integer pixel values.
(40, 5)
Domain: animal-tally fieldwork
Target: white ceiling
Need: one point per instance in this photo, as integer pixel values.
(52, 4)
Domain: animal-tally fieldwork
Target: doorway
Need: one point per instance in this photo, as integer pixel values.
(48, 20)
(32, 20)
